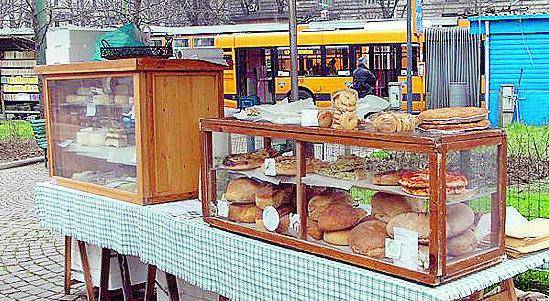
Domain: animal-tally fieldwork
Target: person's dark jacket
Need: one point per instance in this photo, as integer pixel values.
(363, 81)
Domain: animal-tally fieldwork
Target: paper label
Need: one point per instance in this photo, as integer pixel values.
(409, 248)
(223, 208)
(271, 219)
(91, 109)
(392, 248)
(294, 224)
(270, 167)
(309, 117)
(65, 143)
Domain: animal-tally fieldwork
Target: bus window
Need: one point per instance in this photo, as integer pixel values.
(309, 61)
(155, 42)
(204, 42)
(181, 43)
(337, 61)
(363, 52)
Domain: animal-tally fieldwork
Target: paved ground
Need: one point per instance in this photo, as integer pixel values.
(31, 258)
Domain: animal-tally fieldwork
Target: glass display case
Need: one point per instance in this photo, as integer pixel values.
(427, 207)
(118, 128)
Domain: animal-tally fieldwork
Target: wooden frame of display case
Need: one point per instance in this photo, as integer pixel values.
(150, 133)
(435, 147)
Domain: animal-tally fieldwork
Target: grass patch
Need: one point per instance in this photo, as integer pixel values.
(533, 280)
(527, 139)
(15, 129)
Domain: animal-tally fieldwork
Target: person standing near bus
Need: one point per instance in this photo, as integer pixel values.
(363, 79)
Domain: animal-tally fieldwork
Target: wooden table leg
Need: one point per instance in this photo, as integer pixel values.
(105, 273)
(68, 261)
(125, 276)
(506, 293)
(86, 270)
(151, 278)
(172, 287)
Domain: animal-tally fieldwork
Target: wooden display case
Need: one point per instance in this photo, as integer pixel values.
(128, 129)
(445, 244)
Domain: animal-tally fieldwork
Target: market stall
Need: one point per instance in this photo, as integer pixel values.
(346, 203)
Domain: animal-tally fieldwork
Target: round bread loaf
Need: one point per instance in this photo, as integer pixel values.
(337, 216)
(459, 218)
(271, 195)
(338, 238)
(368, 238)
(313, 230)
(385, 206)
(318, 203)
(242, 190)
(462, 244)
(244, 213)
(413, 221)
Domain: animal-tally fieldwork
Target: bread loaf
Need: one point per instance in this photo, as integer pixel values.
(338, 238)
(462, 244)
(418, 222)
(244, 213)
(368, 238)
(385, 206)
(242, 190)
(337, 216)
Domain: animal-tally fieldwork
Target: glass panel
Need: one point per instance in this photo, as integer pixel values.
(181, 43)
(203, 42)
(357, 204)
(255, 182)
(337, 61)
(93, 131)
(309, 61)
(472, 212)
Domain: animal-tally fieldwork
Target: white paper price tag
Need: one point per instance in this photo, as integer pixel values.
(294, 224)
(223, 208)
(91, 109)
(392, 248)
(270, 167)
(409, 250)
(271, 219)
(309, 117)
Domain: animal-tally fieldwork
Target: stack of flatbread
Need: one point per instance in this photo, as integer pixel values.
(527, 237)
(454, 119)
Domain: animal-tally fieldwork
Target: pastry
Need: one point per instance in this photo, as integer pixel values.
(244, 213)
(247, 161)
(465, 243)
(348, 121)
(453, 115)
(276, 196)
(242, 190)
(413, 221)
(287, 165)
(389, 178)
(337, 216)
(349, 167)
(314, 230)
(368, 238)
(339, 238)
(418, 183)
(392, 122)
(344, 105)
(459, 218)
(325, 119)
(385, 206)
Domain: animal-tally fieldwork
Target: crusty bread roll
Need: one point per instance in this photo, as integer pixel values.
(242, 190)
(414, 221)
(337, 216)
(244, 213)
(462, 244)
(325, 119)
(313, 230)
(385, 206)
(361, 213)
(338, 238)
(271, 195)
(459, 218)
(282, 226)
(368, 238)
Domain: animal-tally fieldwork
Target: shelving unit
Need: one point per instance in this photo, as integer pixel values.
(20, 92)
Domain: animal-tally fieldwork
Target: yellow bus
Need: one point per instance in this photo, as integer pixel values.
(259, 63)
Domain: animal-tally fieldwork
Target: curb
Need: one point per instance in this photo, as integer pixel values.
(23, 162)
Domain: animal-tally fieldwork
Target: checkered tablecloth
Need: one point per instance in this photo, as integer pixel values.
(235, 266)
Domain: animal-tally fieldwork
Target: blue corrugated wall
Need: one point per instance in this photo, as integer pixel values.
(515, 44)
